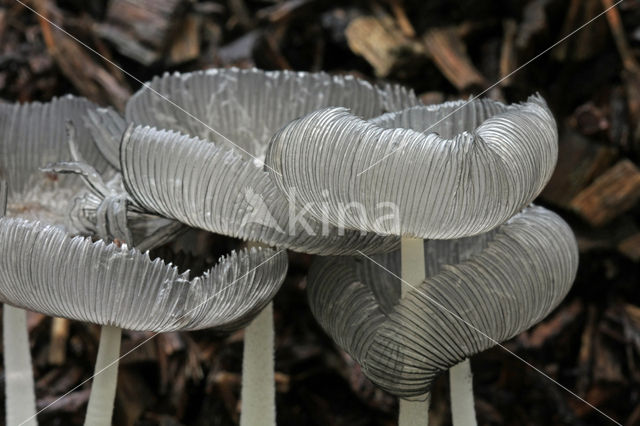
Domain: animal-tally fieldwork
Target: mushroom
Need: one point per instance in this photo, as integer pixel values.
(122, 288)
(478, 292)
(487, 162)
(453, 170)
(33, 135)
(205, 170)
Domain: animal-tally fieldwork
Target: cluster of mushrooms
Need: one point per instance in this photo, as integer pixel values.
(465, 262)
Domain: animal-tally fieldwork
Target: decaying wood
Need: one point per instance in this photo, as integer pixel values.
(127, 45)
(141, 29)
(449, 54)
(630, 247)
(34, 319)
(570, 19)
(241, 14)
(534, 21)
(59, 381)
(69, 403)
(89, 78)
(583, 44)
(634, 418)
(632, 86)
(431, 98)
(617, 30)
(402, 19)
(585, 355)
(132, 397)
(631, 325)
(611, 194)
(150, 21)
(381, 43)
(508, 56)
(597, 396)
(185, 45)
(579, 162)
(550, 328)
(59, 337)
(284, 11)
(227, 385)
(606, 368)
(240, 51)
(590, 119)
(631, 65)
(605, 237)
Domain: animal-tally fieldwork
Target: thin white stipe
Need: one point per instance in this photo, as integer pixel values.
(115, 362)
(146, 85)
(467, 323)
(473, 98)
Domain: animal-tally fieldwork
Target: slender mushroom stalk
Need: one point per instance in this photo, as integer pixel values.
(258, 391)
(163, 171)
(414, 412)
(105, 378)
(20, 399)
(463, 411)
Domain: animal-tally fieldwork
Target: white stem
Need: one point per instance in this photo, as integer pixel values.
(20, 396)
(258, 383)
(463, 411)
(412, 263)
(103, 390)
(412, 413)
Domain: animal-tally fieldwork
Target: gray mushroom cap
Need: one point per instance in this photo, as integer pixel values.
(478, 291)
(110, 285)
(485, 162)
(192, 174)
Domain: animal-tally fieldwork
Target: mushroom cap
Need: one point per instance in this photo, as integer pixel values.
(33, 135)
(214, 188)
(488, 161)
(479, 291)
(238, 110)
(110, 285)
(247, 106)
